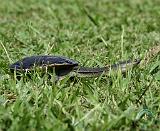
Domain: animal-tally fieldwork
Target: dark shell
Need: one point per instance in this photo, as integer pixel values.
(43, 61)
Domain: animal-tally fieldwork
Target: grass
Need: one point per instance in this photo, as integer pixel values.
(94, 33)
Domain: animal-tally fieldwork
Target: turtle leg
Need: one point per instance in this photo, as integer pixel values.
(70, 79)
(61, 73)
(58, 78)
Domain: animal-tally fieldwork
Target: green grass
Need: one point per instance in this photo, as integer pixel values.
(95, 33)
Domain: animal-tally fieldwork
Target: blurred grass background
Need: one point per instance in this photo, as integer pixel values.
(95, 33)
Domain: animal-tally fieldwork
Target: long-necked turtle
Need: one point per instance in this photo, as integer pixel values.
(64, 66)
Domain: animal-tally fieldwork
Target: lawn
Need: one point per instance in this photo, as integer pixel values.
(95, 33)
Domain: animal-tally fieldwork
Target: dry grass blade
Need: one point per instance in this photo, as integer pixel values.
(149, 55)
(9, 59)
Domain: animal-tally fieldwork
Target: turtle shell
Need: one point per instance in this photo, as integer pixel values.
(61, 64)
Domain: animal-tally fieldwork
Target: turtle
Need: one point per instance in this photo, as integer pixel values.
(65, 66)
